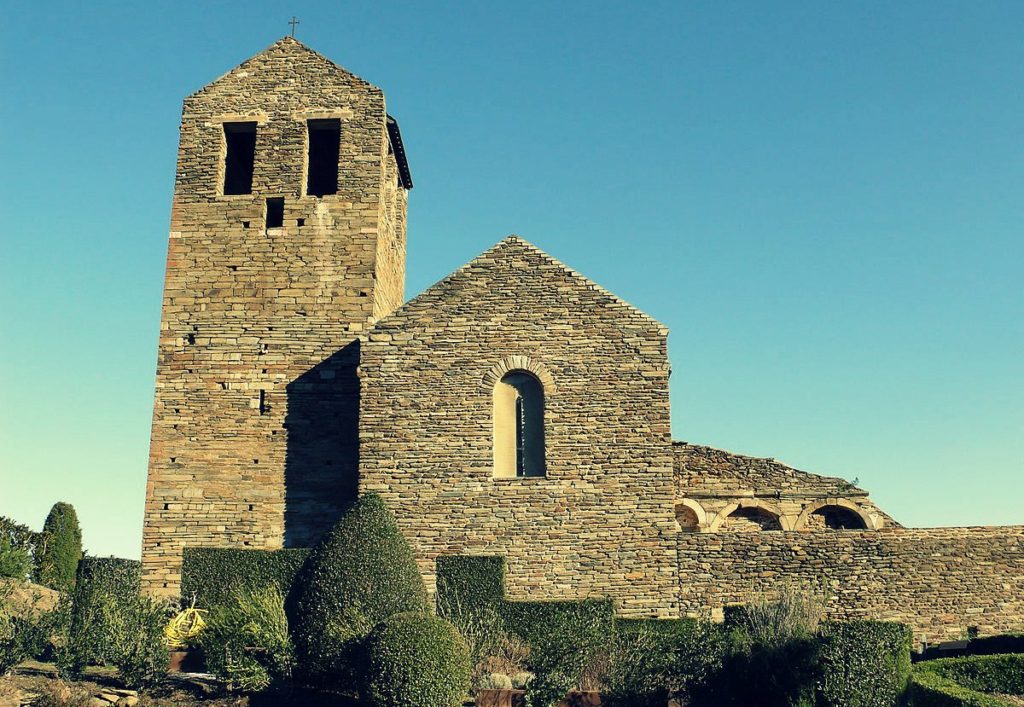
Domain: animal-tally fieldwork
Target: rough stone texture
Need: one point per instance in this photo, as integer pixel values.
(730, 492)
(254, 439)
(940, 581)
(600, 523)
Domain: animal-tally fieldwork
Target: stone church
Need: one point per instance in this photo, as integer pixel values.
(513, 408)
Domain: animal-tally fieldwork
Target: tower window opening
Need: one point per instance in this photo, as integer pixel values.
(239, 157)
(324, 138)
(275, 212)
(519, 426)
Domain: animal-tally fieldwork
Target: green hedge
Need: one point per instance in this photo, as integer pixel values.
(981, 673)
(929, 689)
(213, 576)
(101, 582)
(863, 663)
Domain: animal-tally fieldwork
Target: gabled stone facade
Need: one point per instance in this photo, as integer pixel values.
(599, 523)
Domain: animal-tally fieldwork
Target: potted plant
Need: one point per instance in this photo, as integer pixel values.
(179, 634)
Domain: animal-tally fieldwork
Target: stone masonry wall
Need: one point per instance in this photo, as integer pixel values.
(254, 439)
(940, 581)
(600, 523)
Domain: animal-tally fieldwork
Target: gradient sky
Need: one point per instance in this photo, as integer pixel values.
(824, 202)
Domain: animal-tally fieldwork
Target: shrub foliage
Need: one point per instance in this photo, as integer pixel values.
(246, 642)
(17, 545)
(863, 663)
(59, 548)
(213, 576)
(101, 585)
(416, 659)
(361, 573)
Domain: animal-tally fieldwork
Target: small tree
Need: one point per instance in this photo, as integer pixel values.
(59, 548)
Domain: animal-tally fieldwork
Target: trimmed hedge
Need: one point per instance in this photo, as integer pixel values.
(982, 673)
(416, 659)
(929, 689)
(214, 576)
(863, 663)
(564, 636)
(101, 582)
(362, 572)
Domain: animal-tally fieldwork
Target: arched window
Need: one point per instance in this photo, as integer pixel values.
(518, 426)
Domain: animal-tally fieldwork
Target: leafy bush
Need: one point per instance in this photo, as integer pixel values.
(565, 637)
(929, 689)
(863, 663)
(416, 659)
(17, 549)
(100, 582)
(772, 656)
(983, 673)
(135, 638)
(361, 573)
(213, 576)
(246, 642)
(59, 548)
(493, 681)
(652, 660)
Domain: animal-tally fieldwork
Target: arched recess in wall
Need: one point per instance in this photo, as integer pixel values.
(749, 516)
(518, 424)
(690, 516)
(835, 514)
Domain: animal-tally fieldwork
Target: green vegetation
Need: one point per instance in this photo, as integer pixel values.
(246, 642)
(416, 659)
(863, 663)
(213, 576)
(360, 574)
(17, 546)
(102, 584)
(59, 548)
(964, 682)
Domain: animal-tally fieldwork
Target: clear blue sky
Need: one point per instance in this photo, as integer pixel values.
(824, 201)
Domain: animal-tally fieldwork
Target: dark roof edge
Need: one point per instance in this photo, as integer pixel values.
(395, 136)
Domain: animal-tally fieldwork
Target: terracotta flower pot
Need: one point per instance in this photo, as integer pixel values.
(501, 698)
(184, 662)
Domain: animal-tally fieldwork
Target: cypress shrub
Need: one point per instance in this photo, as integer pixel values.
(416, 659)
(59, 548)
(863, 663)
(362, 572)
(213, 576)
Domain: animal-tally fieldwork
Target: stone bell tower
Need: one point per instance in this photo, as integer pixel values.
(287, 240)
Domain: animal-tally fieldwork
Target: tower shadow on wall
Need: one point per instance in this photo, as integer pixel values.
(321, 471)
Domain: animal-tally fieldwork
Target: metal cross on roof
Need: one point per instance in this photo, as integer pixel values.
(293, 21)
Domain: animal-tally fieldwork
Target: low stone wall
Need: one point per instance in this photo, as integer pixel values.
(940, 581)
